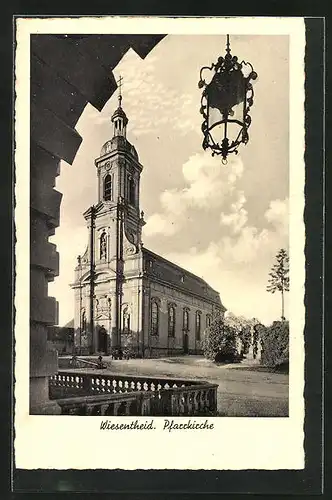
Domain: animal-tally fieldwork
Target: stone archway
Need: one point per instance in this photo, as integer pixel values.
(66, 74)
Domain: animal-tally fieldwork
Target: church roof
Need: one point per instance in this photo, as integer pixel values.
(158, 267)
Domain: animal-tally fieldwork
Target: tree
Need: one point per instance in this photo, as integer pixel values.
(220, 341)
(242, 327)
(279, 277)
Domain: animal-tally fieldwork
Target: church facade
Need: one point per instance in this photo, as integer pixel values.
(126, 296)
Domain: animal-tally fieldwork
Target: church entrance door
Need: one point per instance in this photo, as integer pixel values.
(185, 343)
(102, 340)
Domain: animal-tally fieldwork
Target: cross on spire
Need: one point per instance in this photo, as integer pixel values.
(228, 47)
(119, 82)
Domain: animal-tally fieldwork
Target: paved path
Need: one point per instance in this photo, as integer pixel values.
(244, 390)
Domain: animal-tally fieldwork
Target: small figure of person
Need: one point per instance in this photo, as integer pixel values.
(100, 363)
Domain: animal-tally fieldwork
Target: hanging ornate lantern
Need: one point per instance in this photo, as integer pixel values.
(225, 104)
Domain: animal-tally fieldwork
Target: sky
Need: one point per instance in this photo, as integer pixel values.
(224, 223)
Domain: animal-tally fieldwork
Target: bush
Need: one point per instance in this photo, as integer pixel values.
(275, 344)
(219, 343)
(245, 337)
(243, 327)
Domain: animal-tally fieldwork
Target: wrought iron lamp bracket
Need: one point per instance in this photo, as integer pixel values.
(225, 69)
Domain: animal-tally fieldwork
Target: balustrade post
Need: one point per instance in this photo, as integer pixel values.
(214, 399)
(174, 406)
(200, 400)
(166, 402)
(116, 408)
(195, 402)
(103, 409)
(87, 384)
(181, 403)
(189, 403)
(146, 404)
(89, 409)
(128, 404)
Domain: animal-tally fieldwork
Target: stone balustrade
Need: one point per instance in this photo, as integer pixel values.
(72, 383)
(98, 394)
(106, 404)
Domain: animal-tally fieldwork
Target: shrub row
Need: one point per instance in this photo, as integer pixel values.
(275, 344)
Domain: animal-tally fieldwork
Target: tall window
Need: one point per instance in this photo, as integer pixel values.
(198, 325)
(154, 318)
(126, 320)
(171, 321)
(185, 319)
(132, 191)
(208, 321)
(108, 195)
(103, 246)
(83, 321)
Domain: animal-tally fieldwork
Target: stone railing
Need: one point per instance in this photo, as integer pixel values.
(99, 394)
(68, 383)
(105, 404)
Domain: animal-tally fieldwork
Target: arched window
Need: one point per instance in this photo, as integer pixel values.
(208, 321)
(132, 191)
(185, 319)
(171, 321)
(198, 325)
(126, 320)
(103, 246)
(154, 318)
(108, 195)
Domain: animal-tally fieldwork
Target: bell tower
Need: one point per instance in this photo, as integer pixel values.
(118, 173)
(115, 227)
(115, 238)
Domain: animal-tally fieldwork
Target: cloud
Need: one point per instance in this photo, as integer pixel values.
(247, 246)
(150, 102)
(208, 185)
(237, 264)
(277, 214)
(238, 215)
(237, 261)
(159, 224)
(248, 243)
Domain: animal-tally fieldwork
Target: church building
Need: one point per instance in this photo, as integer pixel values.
(126, 296)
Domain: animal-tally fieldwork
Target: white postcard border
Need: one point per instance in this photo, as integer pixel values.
(63, 442)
